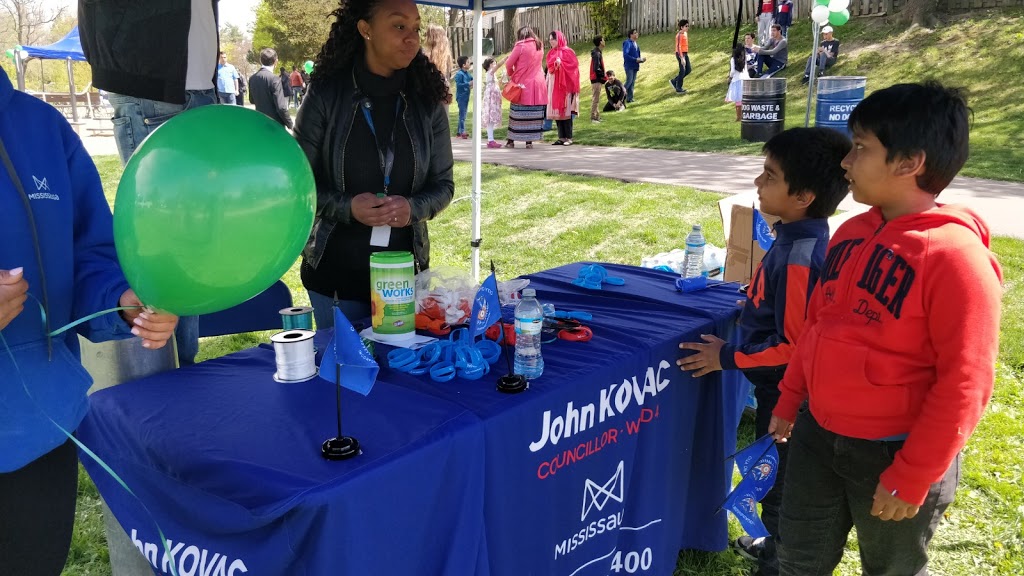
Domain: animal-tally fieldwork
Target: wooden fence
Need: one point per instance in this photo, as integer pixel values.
(651, 16)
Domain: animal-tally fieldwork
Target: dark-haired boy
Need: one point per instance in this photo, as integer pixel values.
(897, 358)
(802, 183)
(463, 85)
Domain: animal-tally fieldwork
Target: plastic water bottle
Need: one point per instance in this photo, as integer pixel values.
(529, 322)
(693, 265)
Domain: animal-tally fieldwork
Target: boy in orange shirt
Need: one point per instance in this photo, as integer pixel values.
(682, 55)
(898, 353)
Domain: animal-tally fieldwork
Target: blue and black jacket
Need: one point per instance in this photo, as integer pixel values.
(74, 231)
(776, 307)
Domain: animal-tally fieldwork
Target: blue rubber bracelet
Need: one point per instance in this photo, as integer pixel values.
(442, 372)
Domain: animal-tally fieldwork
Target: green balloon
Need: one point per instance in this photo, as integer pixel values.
(10, 53)
(201, 225)
(839, 18)
(308, 66)
(821, 2)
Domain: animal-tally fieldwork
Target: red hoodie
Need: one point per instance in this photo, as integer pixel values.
(901, 339)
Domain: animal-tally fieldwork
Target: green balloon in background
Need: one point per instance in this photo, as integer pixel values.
(201, 224)
(839, 18)
(10, 53)
(308, 66)
(821, 2)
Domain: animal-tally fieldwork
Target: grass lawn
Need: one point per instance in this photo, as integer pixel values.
(980, 52)
(552, 219)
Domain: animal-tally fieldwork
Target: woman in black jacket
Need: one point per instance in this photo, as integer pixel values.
(374, 128)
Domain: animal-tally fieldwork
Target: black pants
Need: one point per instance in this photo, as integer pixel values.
(564, 129)
(766, 390)
(830, 489)
(684, 70)
(37, 514)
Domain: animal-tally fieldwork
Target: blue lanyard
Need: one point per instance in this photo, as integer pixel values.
(387, 155)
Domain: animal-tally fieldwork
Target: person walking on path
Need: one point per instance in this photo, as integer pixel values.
(597, 77)
(297, 84)
(526, 117)
(683, 56)
(286, 84)
(631, 61)
(265, 90)
(463, 87)
(563, 87)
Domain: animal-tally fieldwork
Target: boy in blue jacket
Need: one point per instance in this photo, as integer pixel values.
(57, 246)
(802, 183)
(463, 84)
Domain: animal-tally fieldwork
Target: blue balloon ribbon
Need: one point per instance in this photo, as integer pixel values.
(81, 446)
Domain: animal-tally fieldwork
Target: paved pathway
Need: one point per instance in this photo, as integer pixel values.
(1001, 204)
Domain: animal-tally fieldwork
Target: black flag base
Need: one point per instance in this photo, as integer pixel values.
(341, 448)
(512, 383)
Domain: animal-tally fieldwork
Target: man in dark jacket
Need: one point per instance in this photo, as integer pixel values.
(156, 59)
(265, 90)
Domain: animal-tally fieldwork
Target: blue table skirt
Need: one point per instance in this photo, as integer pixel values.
(613, 457)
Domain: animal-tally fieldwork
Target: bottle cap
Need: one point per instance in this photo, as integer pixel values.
(696, 227)
(529, 293)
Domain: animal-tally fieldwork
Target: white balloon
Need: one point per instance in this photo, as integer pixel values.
(838, 5)
(820, 14)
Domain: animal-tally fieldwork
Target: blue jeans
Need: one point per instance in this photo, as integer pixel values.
(630, 82)
(823, 63)
(773, 65)
(684, 70)
(830, 487)
(463, 108)
(358, 313)
(226, 98)
(134, 119)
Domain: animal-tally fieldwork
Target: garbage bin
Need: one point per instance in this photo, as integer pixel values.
(837, 97)
(763, 108)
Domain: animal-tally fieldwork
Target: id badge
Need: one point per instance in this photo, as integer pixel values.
(381, 236)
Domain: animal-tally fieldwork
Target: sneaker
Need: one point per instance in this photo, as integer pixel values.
(558, 143)
(805, 79)
(672, 83)
(681, 91)
(595, 120)
(465, 136)
(748, 547)
(493, 144)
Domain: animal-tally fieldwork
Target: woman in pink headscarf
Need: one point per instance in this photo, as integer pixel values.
(526, 117)
(563, 87)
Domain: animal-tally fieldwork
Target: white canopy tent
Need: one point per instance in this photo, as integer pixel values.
(478, 7)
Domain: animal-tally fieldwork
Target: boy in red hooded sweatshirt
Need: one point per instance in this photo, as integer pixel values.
(898, 354)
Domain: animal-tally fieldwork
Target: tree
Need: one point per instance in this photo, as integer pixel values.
(508, 20)
(30, 19)
(295, 28)
(236, 45)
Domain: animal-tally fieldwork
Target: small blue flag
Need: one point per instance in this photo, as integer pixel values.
(742, 502)
(758, 464)
(762, 231)
(486, 307)
(346, 349)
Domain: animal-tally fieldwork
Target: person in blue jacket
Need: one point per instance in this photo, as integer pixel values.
(631, 61)
(57, 256)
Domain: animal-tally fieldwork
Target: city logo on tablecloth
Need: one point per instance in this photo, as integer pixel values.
(749, 504)
(597, 495)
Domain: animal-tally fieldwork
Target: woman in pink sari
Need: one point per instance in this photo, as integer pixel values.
(563, 87)
(526, 117)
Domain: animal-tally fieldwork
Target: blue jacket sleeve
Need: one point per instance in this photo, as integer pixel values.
(98, 279)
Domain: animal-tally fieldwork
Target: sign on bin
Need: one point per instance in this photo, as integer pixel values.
(763, 109)
(837, 97)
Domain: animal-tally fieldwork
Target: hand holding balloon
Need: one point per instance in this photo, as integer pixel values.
(154, 328)
(13, 293)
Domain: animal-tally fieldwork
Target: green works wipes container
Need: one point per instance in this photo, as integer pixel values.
(393, 295)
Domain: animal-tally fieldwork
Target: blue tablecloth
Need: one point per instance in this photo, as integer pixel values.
(611, 462)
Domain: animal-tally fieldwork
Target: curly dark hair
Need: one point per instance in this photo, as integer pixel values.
(345, 44)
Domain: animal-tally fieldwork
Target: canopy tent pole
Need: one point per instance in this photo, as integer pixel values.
(814, 68)
(478, 100)
(71, 89)
(19, 70)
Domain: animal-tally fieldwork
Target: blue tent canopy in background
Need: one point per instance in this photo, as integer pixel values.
(69, 46)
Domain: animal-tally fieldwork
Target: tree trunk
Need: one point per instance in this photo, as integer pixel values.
(509, 22)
